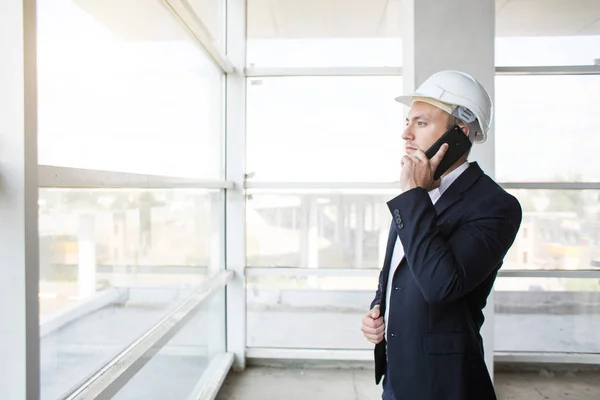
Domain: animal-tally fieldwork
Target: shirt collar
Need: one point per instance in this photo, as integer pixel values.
(452, 176)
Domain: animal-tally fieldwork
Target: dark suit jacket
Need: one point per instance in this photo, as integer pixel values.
(453, 251)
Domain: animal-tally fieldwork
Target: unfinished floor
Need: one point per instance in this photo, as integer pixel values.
(265, 383)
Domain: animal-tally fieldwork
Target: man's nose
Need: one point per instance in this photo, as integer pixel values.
(407, 134)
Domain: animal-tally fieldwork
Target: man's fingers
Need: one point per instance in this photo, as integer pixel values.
(375, 339)
(367, 330)
(372, 323)
(420, 155)
(437, 158)
(375, 312)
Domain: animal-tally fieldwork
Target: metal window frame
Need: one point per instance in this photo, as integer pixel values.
(235, 170)
(79, 178)
(276, 185)
(367, 355)
(105, 383)
(322, 71)
(19, 252)
(266, 72)
(372, 272)
(212, 379)
(549, 70)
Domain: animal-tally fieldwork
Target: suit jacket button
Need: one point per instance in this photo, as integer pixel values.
(393, 335)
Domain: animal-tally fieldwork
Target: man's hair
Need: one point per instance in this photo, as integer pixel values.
(452, 120)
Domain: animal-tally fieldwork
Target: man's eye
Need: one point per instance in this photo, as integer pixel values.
(421, 123)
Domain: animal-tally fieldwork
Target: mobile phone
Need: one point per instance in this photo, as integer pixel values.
(458, 145)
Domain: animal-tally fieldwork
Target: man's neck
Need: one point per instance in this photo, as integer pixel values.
(457, 164)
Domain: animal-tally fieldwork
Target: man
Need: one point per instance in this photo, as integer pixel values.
(447, 241)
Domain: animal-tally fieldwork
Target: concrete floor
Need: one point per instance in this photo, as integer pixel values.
(264, 383)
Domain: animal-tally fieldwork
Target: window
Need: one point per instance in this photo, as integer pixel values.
(298, 126)
(113, 263)
(130, 92)
(545, 128)
(126, 91)
(317, 229)
(547, 315)
(563, 227)
(212, 13)
(308, 311)
(184, 359)
(324, 33)
(547, 33)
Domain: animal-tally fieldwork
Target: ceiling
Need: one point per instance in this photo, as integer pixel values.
(345, 18)
(381, 18)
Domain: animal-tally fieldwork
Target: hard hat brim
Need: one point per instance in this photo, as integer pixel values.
(407, 100)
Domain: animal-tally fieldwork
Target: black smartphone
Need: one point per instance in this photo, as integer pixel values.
(458, 145)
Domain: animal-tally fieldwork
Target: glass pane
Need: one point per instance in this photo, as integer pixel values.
(212, 15)
(317, 230)
(324, 33)
(126, 91)
(297, 126)
(176, 369)
(290, 312)
(547, 32)
(547, 315)
(112, 264)
(547, 124)
(560, 230)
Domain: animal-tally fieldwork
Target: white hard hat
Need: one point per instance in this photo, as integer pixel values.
(456, 91)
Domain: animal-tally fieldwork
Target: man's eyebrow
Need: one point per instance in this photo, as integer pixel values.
(416, 117)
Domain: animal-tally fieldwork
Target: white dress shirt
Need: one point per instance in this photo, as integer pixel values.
(398, 253)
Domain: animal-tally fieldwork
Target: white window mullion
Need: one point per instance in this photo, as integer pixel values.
(235, 171)
(19, 253)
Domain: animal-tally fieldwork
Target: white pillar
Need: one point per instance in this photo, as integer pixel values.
(457, 35)
(19, 252)
(86, 277)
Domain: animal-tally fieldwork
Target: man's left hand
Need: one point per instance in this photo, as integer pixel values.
(418, 170)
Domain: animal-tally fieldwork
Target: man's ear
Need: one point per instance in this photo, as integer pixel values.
(465, 129)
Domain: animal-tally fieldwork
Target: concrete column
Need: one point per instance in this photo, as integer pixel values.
(86, 277)
(360, 233)
(215, 317)
(215, 263)
(313, 234)
(457, 35)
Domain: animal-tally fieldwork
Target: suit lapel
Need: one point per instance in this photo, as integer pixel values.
(390, 246)
(386, 263)
(457, 188)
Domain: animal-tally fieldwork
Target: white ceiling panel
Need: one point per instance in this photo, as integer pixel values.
(323, 18)
(547, 17)
(345, 18)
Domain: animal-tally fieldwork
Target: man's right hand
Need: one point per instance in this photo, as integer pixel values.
(373, 326)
